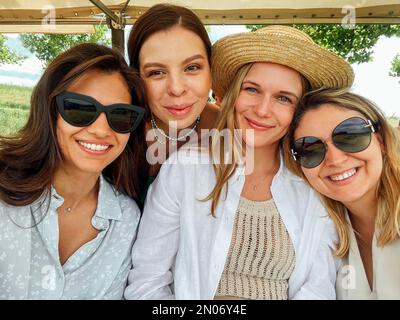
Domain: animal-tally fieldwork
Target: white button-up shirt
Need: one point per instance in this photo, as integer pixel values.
(181, 248)
(30, 265)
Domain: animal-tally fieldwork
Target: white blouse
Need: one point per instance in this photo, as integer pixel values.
(181, 249)
(352, 282)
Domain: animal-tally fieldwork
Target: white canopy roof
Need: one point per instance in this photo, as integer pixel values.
(17, 13)
(203, 4)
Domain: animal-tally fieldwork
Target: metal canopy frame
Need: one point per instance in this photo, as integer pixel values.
(116, 22)
(126, 13)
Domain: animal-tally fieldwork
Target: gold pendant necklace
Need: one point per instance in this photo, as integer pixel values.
(260, 182)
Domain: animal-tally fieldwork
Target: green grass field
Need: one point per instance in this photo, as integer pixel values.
(15, 97)
(14, 108)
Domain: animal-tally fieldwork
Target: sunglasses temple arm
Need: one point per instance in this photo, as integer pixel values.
(293, 154)
(370, 125)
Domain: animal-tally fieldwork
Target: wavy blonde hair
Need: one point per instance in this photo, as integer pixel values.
(388, 189)
(224, 168)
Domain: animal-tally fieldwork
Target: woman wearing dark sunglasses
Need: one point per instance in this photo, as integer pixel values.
(346, 149)
(67, 223)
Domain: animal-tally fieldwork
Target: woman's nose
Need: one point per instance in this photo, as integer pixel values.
(334, 156)
(100, 127)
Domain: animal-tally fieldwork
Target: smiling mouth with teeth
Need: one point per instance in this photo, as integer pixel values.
(94, 147)
(343, 176)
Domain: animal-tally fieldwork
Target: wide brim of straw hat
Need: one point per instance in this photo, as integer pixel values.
(282, 45)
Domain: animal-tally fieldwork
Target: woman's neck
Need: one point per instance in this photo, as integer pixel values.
(169, 130)
(74, 186)
(362, 214)
(159, 151)
(266, 160)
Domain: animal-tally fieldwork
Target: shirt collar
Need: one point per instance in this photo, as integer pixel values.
(108, 206)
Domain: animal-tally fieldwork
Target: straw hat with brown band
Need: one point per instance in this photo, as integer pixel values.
(278, 44)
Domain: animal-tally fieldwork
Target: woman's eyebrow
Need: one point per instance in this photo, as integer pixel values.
(290, 94)
(251, 82)
(194, 57)
(153, 64)
(161, 65)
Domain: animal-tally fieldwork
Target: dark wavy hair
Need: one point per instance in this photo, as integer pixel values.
(29, 158)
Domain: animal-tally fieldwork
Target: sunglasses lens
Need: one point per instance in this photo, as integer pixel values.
(78, 112)
(352, 135)
(123, 119)
(81, 111)
(310, 151)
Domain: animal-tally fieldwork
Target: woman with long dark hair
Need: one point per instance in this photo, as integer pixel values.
(67, 220)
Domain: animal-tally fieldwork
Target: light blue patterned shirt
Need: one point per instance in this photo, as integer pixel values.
(30, 266)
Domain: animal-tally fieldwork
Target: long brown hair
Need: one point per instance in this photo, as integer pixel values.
(163, 17)
(388, 189)
(29, 158)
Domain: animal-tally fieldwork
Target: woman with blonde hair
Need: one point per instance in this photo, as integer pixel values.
(344, 147)
(227, 222)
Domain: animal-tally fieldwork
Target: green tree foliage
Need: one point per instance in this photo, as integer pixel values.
(7, 55)
(353, 44)
(395, 72)
(47, 46)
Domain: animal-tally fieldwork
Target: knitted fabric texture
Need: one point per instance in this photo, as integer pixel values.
(261, 256)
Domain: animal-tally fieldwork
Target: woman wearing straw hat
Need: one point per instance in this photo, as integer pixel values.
(347, 150)
(218, 226)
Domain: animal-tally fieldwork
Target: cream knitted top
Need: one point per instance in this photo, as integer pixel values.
(261, 257)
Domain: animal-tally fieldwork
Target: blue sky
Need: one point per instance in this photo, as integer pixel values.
(372, 79)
